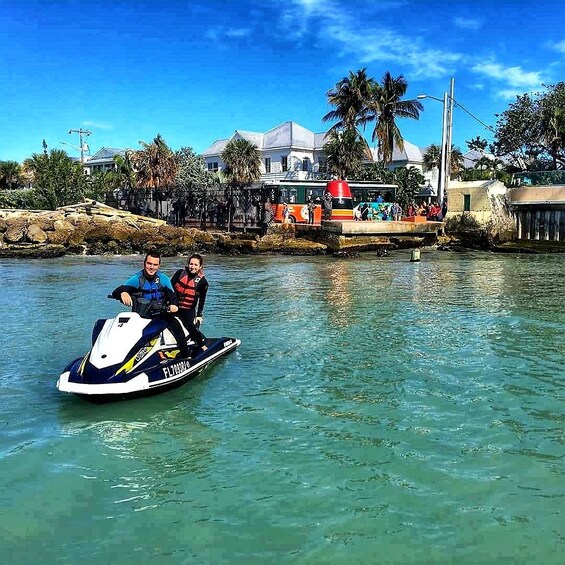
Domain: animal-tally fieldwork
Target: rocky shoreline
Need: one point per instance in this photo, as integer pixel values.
(92, 228)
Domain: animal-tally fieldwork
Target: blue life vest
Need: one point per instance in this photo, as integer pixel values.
(151, 289)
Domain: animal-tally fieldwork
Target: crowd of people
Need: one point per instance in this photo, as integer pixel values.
(377, 211)
(385, 211)
(432, 211)
(176, 300)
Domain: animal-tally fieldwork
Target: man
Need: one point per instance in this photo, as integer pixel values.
(327, 205)
(154, 285)
(311, 209)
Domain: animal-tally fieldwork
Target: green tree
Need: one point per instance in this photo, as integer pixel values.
(345, 152)
(409, 181)
(156, 168)
(126, 179)
(376, 172)
(552, 109)
(456, 161)
(477, 144)
(191, 172)
(386, 106)
(532, 130)
(57, 179)
(432, 157)
(10, 175)
(351, 97)
(243, 162)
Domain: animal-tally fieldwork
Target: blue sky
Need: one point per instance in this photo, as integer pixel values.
(197, 70)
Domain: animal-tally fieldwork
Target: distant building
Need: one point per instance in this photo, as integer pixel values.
(477, 198)
(292, 152)
(103, 160)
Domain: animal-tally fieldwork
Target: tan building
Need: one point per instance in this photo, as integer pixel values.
(476, 198)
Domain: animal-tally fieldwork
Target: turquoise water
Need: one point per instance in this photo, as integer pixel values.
(377, 411)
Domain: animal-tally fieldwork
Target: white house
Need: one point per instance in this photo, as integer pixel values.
(292, 152)
(288, 151)
(103, 160)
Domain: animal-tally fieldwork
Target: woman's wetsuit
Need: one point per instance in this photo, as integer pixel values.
(191, 294)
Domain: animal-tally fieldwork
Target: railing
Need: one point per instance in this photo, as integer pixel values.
(539, 178)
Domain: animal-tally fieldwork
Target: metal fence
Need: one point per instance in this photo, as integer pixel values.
(219, 208)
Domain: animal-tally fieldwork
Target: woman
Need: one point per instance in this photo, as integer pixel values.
(191, 286)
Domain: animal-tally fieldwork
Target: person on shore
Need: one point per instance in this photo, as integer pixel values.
(327, 205)
(191, 287)
(311, 208)
(152, 284)
(285, 213)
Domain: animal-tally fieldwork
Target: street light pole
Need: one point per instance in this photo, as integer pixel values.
(449, 125)
(446, 136)
(81, 132)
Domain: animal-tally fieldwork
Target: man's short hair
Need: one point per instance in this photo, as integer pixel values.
(154, 254)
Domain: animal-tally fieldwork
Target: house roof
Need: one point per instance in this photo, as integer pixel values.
(287, 134)
(411, 153)
(107, 153)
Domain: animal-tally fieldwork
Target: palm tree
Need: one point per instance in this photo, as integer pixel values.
(10, 174)
(243, 162)
(243, 167)
(57, 179)
(432, 157)
(351, 97)
(345, 152)
(127, 178)
(156, 167)
(456, 161)
(385, 107)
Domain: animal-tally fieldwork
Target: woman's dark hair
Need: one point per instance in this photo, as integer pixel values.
(196, 256)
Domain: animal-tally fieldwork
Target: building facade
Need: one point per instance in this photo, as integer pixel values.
(103, 160)
(292, 152)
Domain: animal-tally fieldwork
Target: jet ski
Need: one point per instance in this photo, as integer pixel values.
(135, 355)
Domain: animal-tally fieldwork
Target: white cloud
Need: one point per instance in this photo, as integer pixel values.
(513, 76)
(467, 23)
(97, 125)
(559, 46)
(508, 93)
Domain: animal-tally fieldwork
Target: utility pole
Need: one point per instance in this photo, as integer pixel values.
(449, 124)
(82, 133)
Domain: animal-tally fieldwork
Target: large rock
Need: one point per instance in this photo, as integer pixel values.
(62, 231)
(15, 233)
(32, 251)
(35, 234)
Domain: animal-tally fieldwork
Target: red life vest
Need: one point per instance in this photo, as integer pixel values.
(185, 288)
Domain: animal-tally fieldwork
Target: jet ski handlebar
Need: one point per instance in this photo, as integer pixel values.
(144, 307)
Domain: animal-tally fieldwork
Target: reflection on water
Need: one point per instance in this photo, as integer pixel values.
(417, 405)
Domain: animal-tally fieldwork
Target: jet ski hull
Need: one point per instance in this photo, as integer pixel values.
(159, 373)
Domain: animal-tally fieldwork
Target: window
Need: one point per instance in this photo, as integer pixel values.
(213, 167)
(466, 203)
(305, 164)
(284, 163)
(267, 164)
